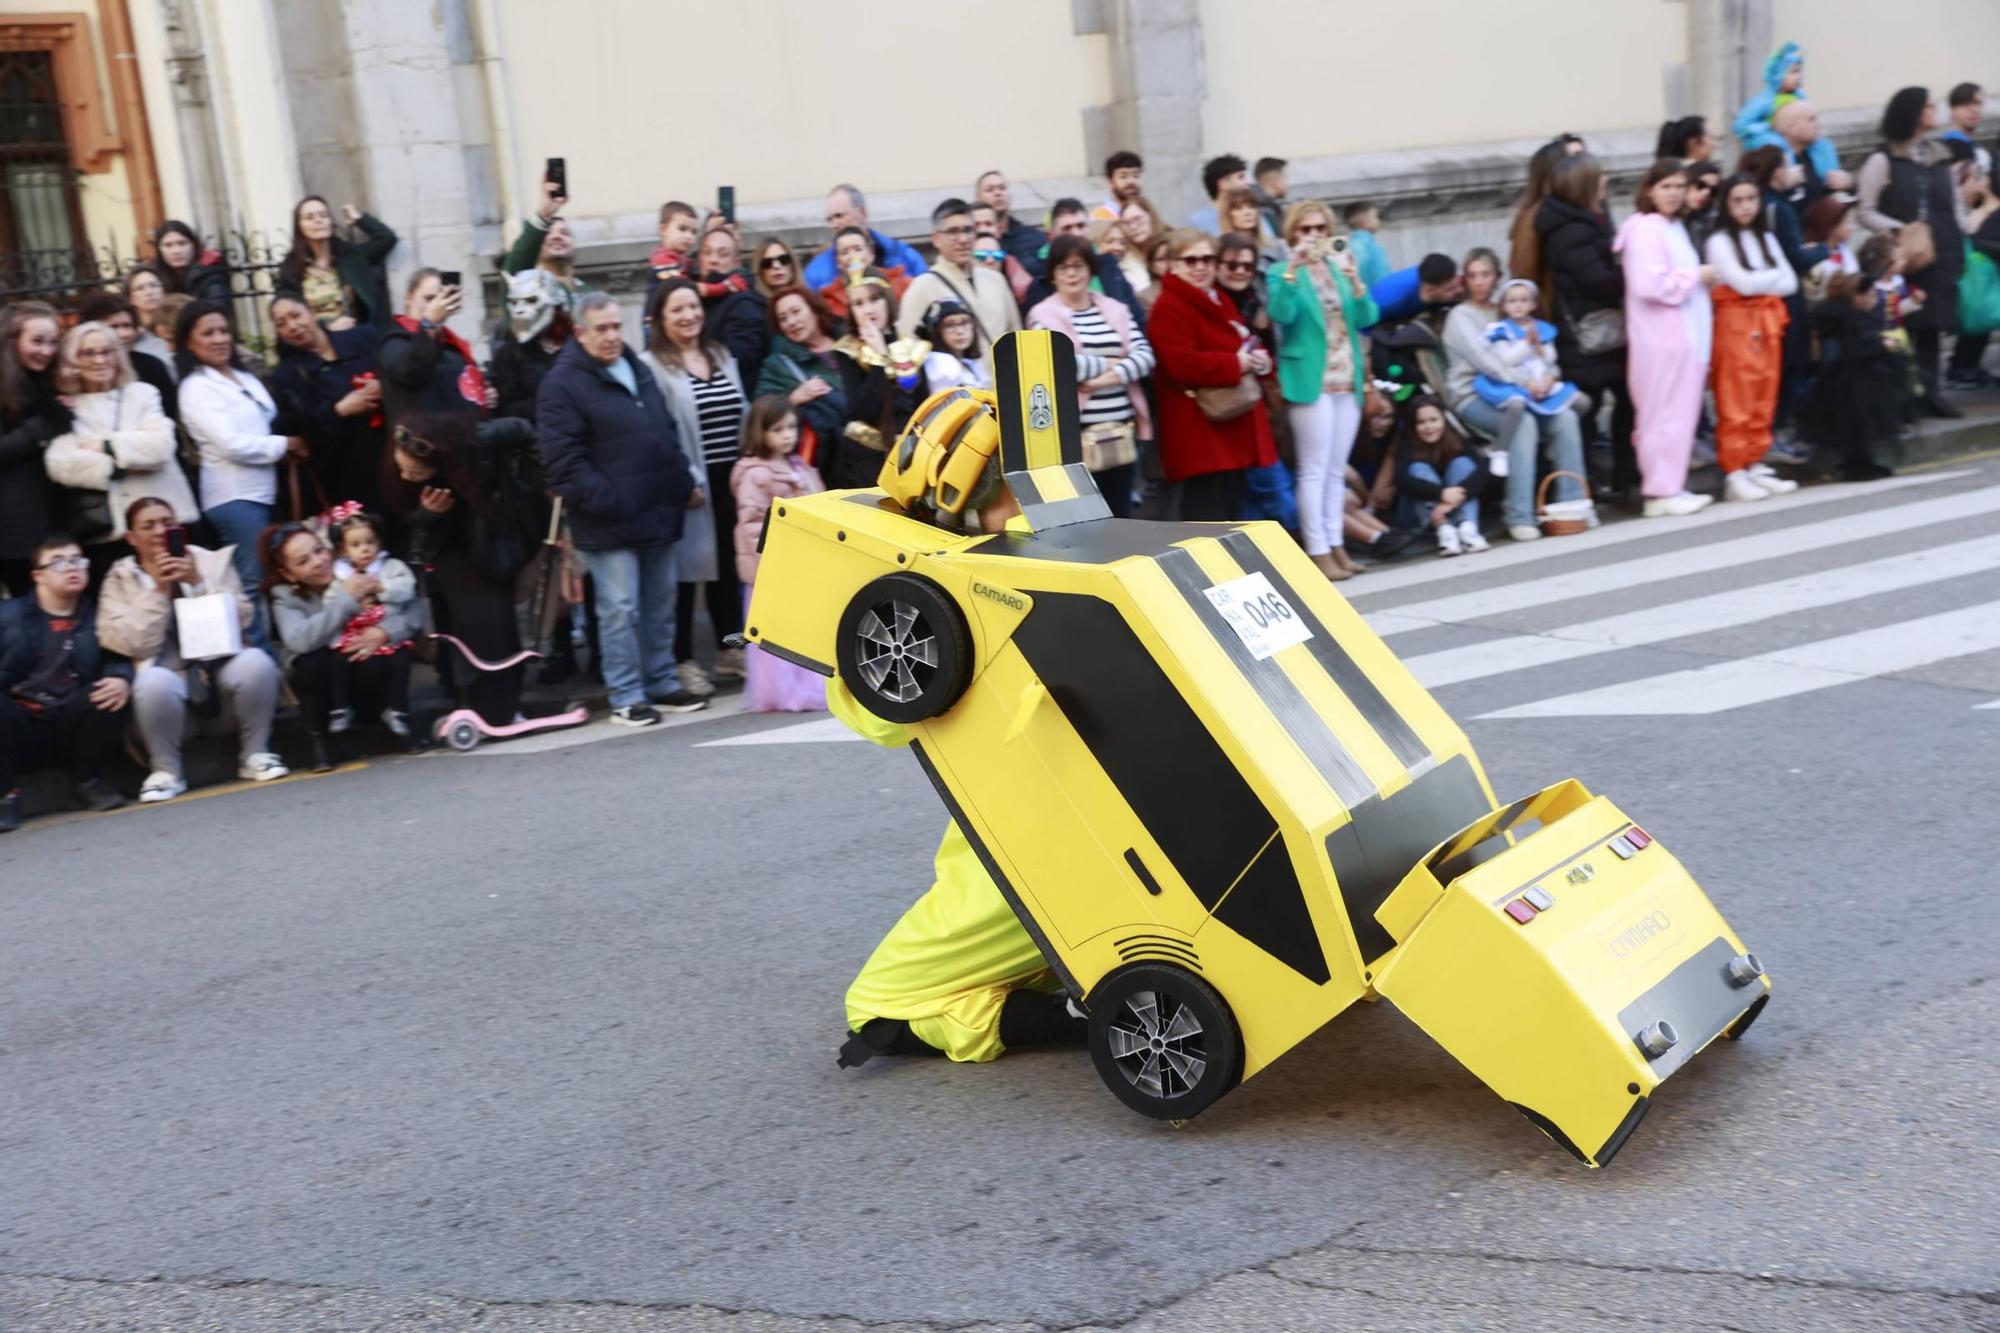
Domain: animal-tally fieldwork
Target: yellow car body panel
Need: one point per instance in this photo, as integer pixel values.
(1154, 774)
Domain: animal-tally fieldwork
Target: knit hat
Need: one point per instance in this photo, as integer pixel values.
(1500, 292)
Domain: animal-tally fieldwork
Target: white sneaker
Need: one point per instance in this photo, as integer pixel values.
(1524, 532)
(1471, 537)
(1677, 506)
(1771, 481)
(161, 786)
(1740, 485)
(693, 679)
(1448, 542)
(339, 720)
(262, 767)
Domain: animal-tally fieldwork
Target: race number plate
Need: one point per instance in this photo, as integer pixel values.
(1259, 614)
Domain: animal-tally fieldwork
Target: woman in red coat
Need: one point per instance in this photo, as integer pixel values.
(1201, 343)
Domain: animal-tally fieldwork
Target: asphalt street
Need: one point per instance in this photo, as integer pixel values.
(544, 1038)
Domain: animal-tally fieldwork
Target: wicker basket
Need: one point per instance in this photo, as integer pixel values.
(1564, 525)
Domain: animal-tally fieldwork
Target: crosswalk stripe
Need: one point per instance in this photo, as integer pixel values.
(1784, 673)
(1617, 534)
(1703, 615)
(822, 729)
(1599, 579)
(1994, 704)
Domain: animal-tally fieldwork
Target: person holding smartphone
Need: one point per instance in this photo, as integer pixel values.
(1319, 305)
(425, 365)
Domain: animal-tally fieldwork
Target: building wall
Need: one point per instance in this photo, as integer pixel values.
(649, 100)
(1857, 54)
(1303, 78)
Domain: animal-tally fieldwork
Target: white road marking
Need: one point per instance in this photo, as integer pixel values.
(1994, 704)
(1786, 672)
(1703, 615)
(819, 730)
(1418, 572)
(1597, 580)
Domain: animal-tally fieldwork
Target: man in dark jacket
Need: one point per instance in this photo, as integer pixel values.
(610, 450)
(62, 697)
(733, 307)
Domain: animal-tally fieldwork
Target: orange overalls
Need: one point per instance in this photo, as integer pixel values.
(1748, 362)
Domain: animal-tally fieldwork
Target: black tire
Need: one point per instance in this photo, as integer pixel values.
(904, 649)
(1163, 1041)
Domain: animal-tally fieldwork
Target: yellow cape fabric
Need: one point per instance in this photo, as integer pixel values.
(947, 965)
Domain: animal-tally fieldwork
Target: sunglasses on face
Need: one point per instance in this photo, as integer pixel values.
(1313, 229)
(1196, 261)
(990, 256)
(1238, 266)
(774, 261)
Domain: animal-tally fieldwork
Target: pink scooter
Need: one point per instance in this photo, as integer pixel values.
(463, 728)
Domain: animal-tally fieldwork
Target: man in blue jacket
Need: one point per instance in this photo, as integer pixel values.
(62, 696)
(610, 450)
(846, 206)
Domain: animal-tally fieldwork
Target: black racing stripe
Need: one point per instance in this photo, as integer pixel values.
(1383, 840)
(1367, 697)
(1299, 719)
(1026, 493)
(1083, 508)
(1069, 408)
(1081, 477)
(1181, 785)
(1000, 881)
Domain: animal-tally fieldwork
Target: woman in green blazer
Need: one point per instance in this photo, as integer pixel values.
(1320, 305)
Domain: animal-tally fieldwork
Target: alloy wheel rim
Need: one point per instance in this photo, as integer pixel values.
(898, 656)
(1157, 1044)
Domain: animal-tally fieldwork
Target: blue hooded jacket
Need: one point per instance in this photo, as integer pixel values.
(1752, 125)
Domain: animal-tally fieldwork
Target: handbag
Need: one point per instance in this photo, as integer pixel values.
(1595, 332)
(1978, 294)
(86, 515)
(207, 627)
(1220, 404)
(1109, 444)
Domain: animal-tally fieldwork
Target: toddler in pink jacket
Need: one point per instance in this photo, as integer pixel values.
(770, 471)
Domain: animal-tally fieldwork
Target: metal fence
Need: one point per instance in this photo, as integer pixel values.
(64, 277)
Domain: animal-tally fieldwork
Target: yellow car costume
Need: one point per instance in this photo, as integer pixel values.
(1216, 803)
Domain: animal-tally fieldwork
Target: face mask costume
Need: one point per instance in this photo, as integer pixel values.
(533, 299)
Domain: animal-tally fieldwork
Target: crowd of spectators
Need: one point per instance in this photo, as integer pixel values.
(190, 533)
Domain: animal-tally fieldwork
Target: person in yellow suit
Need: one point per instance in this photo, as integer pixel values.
(958, 975)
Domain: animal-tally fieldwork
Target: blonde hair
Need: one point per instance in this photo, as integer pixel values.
(168, 314)
(1183, 239)
(1296, 215)
(69, 370)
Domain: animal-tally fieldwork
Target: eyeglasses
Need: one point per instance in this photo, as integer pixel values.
(64, 562)
(1196, 261)
(413, 444)
(1239, 266)
(955, 232)
(774, 261)
(1313, 229)
(989, 256)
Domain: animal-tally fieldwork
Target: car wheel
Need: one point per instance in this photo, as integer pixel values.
(462, 736)
(1163, 1041)
(904, 648)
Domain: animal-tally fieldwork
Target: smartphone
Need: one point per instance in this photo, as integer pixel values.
(557, 174)
(725, 202)
(177, 542)
(451, 277)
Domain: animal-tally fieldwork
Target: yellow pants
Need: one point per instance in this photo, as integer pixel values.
(946, 967)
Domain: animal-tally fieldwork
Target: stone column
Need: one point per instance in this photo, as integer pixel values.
(1728, 43)
(1159, 81)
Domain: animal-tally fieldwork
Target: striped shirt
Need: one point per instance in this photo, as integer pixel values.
(1096, 345)
(719, 407)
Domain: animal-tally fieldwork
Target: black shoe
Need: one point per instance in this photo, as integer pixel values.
(1391, 543)
(635, 715)
(681, 701)
(1865, 470)
(10, 812)
(319, 756)
(1934, 406)
(97, 795)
